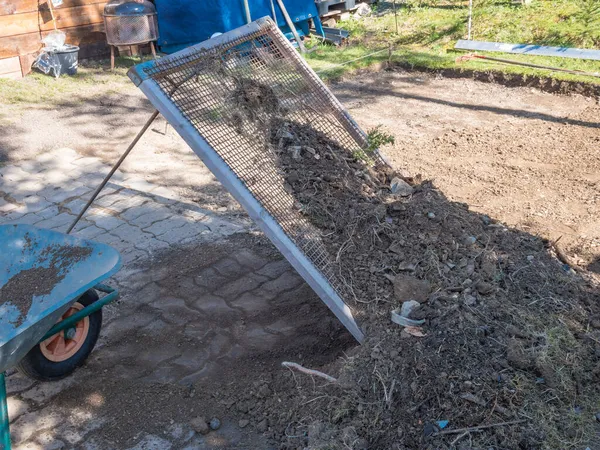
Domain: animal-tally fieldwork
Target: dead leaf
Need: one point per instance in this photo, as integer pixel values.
(415, 331)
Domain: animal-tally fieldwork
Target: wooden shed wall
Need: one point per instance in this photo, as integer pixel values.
(23, 24)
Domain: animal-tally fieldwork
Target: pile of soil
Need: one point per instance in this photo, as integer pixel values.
(20, 289)
(511, 337)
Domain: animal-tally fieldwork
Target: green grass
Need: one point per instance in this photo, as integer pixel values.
(41, 89)
(427, 35)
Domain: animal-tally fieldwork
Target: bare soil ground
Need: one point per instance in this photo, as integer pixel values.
(511, 334)
(526, 158)
(497, 322)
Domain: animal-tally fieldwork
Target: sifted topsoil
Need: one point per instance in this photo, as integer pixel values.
(510, 342)
(38, 281)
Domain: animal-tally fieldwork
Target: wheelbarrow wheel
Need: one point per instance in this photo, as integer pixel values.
(59, 355)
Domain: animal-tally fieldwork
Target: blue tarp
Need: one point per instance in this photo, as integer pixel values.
(183, 23)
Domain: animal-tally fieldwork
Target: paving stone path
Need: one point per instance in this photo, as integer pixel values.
(132, 215)
(191, 307)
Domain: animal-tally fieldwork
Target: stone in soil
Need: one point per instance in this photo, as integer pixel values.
(200, 425)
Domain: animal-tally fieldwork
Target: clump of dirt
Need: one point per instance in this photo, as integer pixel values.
(20, 289)
(252, 98)
(506, 334)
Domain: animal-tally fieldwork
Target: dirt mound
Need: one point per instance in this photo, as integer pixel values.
(508, 352)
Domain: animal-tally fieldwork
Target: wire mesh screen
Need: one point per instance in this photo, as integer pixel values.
(130, 30)
(261, 70)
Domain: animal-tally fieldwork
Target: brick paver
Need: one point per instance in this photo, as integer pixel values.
(212, 317)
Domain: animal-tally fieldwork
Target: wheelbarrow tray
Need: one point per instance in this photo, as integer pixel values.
(57, 269)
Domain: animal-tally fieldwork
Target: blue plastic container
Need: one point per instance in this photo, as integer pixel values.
(182, 23)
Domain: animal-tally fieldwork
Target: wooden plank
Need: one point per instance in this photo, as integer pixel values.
(72, 3)
(8, 65)
(85, 35)
(26, 62)
(32, 42)
(72, 17)
(12, 75)
(14, 25)
(17, 6)
(23, 6)
(20, 45)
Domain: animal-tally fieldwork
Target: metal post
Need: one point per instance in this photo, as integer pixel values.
(470, 18)
(4, 422)
(290, 24)
(113, 170)
(247, 10)
(395, 15)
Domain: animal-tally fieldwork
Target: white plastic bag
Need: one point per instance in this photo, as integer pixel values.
(45, 61)
(54, 41)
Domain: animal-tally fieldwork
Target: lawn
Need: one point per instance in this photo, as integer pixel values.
(428, 31)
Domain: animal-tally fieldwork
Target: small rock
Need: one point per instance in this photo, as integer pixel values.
(222, 209)
(470, 240)
(362, 10)
(214, 424)
(470, 268)
(285, 134)
(295, 150)
(380, 212)
(263, 426)
(398, 206)
(597, 415)
(488, 267)
(529, 258)
(243, 423)
(409, 288)
(486, 220)
(310, 150)
(431, 215)
(429, 429)
(407, 267)
(404, 335)
(484, 288)
(470, 300)
(199, 425)
(401, 188)
(264, 391)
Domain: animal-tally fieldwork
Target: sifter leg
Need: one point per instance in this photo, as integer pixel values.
(153, 49)
(4, 423)
(112, 57)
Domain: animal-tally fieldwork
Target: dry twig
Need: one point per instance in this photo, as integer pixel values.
(292, 365)
(480, 427)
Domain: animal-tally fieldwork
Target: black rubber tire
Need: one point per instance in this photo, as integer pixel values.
(35, 365)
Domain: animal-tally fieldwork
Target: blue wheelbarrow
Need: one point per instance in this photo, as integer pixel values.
(50, 307)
